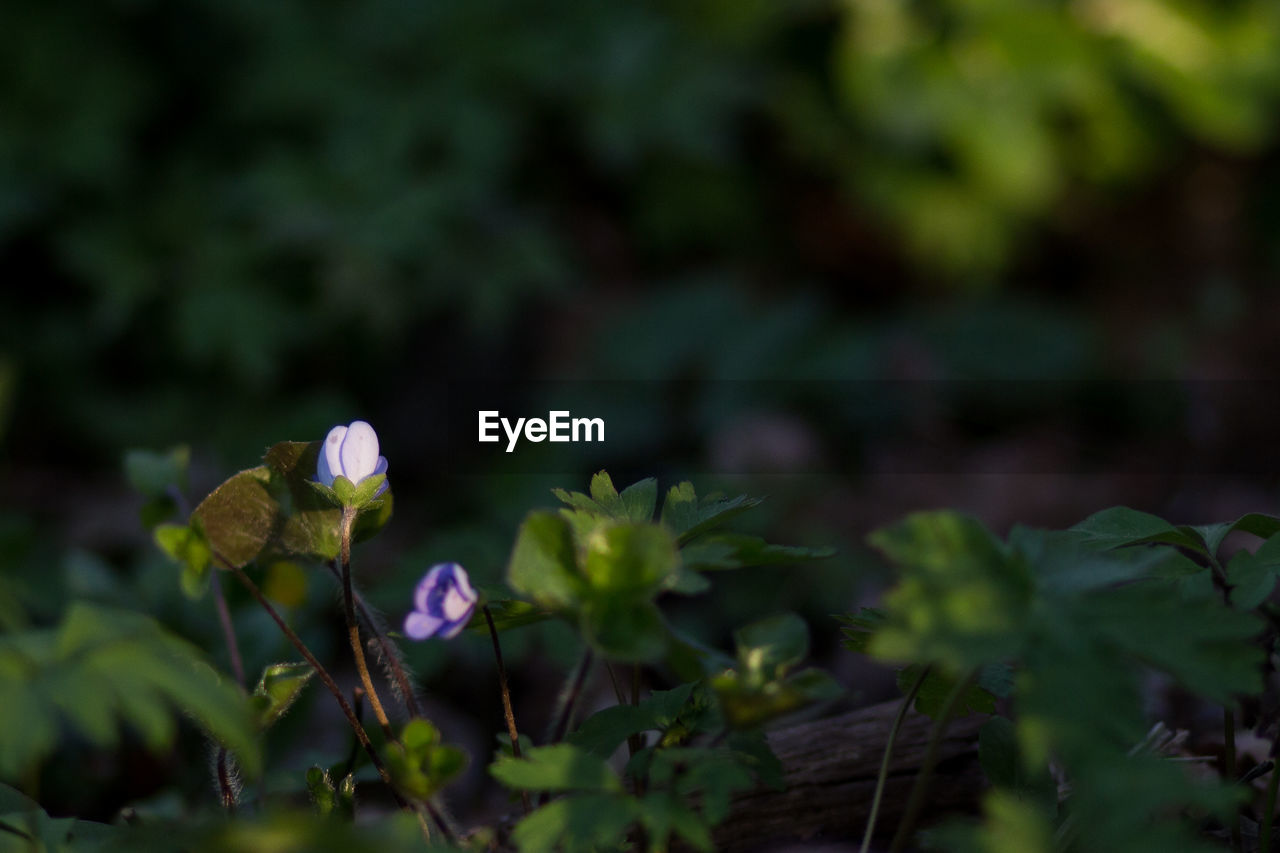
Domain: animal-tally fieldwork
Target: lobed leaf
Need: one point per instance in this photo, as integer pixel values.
(560, 767)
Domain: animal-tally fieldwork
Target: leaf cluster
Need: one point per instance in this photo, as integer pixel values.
(677, 791)
(1066, 623)
(603, 560)
(102, 669)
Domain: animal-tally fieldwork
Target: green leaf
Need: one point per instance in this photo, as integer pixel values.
(420, 765)
(687, 517)
(735, 551)
(936, 689)
(1005, 766)
(280, 686)
(624, 629)
(507, 613)
(1253, 575)
(1010, 825)
(630, 560)
(103, 668)
(769, 647)
(963, 600)
(603, 492)
(576, 824)
(752, 747)
(188, 547)
(1067, 562)
(687, 582)
(635, 504)
(714, 775)
(560, 767)
(1121, 526)
(1262, 526)
(638, 501)
(746, 704)
(345, 490)
(664, 814)
(543, 562)
(579, 501)
(1203, 644)
(859, 627)
(239, 518)
(604, 731)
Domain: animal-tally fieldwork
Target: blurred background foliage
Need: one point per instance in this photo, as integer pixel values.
(234, 223)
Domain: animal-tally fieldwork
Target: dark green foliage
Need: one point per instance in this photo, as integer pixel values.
(24, 826)
(761, 686)
(606, 730)
(101, 668)
(560, 767)
(420, 764)
(1078, 615)
(603, 560)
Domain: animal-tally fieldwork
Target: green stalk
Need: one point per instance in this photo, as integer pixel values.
(883, 776)
(916, 801)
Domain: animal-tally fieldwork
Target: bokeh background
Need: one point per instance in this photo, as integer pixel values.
(1016, 256)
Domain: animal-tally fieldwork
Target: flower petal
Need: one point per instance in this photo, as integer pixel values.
(422, 595)
(455, 605)
(330, 465)
(464, 584)
(359, 451)
(381, 468)
(420, 626)
(452, 629)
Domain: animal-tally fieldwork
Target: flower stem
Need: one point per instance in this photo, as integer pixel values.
(883, 776)
(921, 787)
(228, 630)
(226, 789)
(570, 698)
(353, 627)
(324, 676)
(332, 687)
(390, 654)
(506, 700)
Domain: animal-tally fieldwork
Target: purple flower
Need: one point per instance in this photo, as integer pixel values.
(443, 603)
(351, 452)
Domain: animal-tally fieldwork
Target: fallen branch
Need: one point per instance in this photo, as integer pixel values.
(830, 767)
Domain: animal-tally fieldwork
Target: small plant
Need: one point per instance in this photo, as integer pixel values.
(602, 564)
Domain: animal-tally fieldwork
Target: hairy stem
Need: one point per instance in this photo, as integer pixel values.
(353, 627)
(921, 787)
(883, 776)
(507, 713)
(332, 687)
(390, 654)
(226, 790)
(323, 674)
